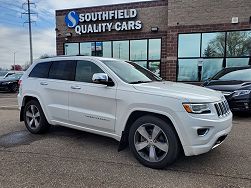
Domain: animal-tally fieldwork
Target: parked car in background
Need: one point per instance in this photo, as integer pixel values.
(10, 83)
(122, 100)
(235, 84)
(3, 74)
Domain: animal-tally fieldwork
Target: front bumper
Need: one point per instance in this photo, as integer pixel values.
(4, 87)
(195, 144)
(240, 105)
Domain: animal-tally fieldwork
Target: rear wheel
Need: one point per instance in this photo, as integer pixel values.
(153, 142)
(34, 118)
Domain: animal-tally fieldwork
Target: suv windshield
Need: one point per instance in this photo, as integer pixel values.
(233, 74)
(131, 72)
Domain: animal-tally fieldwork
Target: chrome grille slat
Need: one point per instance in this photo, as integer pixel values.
(222, 108)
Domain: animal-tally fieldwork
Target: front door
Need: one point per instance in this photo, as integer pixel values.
(91, 105)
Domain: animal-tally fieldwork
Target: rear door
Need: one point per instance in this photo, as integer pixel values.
(56, 89)
(91, 105)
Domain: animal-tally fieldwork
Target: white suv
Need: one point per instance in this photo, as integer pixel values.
(122, 100)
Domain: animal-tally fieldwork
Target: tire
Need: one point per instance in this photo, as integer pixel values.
(147, 150)
(14, 88)
(34, 118)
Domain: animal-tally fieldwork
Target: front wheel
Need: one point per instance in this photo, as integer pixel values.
(34, 118)
(153, 142)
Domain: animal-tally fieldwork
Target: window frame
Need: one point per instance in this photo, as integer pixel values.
(224, 57)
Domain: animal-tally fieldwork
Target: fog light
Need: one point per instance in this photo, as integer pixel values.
(202, 132)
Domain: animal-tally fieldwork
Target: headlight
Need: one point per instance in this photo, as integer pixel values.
(241, 92)
(197, 108)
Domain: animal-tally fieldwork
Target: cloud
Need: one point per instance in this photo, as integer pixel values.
(14, 37)
(17, 40)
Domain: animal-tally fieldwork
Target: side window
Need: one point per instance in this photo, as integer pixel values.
(62, 70)
(85, 71)
(41, 70)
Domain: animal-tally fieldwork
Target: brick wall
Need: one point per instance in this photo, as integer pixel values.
(150, 13)
(198, 12)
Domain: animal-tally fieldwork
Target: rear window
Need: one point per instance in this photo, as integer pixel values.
(62, 70)
(41, 70)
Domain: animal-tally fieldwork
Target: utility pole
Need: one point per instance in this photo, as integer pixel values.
(14, 61)
(29, 13)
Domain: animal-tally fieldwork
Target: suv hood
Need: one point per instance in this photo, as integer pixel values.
(227, 85)
(184, 92)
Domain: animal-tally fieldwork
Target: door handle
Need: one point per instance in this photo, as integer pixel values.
(43, 83)
(75, 87)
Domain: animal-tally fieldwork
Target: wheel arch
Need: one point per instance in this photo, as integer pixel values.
(137, 114)
(25, 100)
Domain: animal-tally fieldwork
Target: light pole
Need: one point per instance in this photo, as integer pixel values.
(14, 61)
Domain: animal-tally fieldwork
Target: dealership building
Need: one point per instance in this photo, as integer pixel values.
(180, 40)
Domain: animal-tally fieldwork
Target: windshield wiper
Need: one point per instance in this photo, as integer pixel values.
(139, 82)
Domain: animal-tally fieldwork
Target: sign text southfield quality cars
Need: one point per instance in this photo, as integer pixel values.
(97, 22)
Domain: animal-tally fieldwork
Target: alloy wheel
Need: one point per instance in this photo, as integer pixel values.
(151, 142)
(33, 117)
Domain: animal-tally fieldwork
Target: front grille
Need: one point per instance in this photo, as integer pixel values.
(222, 108)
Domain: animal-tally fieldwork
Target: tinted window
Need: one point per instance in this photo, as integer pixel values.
(41, 70)
(243, 74)
(62, 70)
(85, 71)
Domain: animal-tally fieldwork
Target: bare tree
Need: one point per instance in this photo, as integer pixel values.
(238, 44)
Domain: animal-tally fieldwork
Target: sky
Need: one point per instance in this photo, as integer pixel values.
(14, 38)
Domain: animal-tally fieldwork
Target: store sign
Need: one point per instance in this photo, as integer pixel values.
(98, 22)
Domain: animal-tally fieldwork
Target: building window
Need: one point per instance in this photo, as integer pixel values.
(87, 48)
(145, 52)
(213, 44)
(138, 49)
(239, 44)
(121, 49)
(154, 49)
(107, 49)
(189, 45)
(71, 48)
(201, 55)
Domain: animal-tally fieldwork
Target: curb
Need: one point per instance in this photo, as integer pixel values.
(13, 107)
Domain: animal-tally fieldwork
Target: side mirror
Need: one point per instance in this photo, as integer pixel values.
(102, 78)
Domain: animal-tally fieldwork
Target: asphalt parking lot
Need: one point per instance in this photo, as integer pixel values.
(70, 158)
